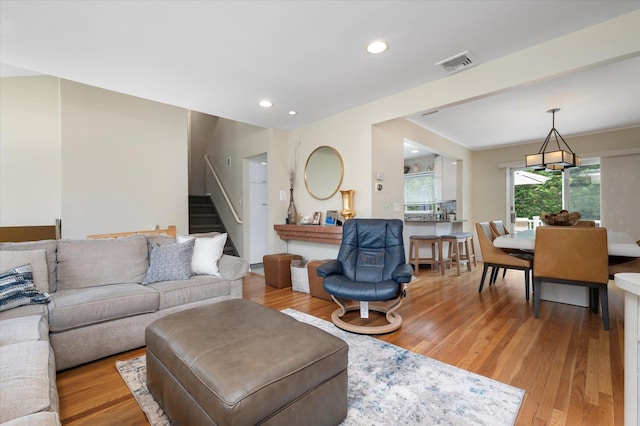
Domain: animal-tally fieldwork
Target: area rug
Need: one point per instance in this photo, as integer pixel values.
(387, 385)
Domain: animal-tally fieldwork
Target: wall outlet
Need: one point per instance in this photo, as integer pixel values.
(228, 161)
(283, 195)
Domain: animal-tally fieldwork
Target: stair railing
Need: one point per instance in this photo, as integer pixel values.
(224, 193)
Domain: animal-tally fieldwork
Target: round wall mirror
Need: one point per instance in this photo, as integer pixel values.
(323, 172)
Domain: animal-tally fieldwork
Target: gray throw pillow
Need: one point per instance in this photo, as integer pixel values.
(170, 262)
(17, 288)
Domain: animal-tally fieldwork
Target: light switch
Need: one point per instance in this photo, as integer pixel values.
(397, 207)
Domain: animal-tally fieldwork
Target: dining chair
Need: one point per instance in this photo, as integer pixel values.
(586, 224)
(497, 258)
(497, 229)
(574, 256)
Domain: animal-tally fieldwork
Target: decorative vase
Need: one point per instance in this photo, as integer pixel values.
(347, 204)
(292, 213)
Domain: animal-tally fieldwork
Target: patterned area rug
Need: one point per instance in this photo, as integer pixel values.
(387, 385)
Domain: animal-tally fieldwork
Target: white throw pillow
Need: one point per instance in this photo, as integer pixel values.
(206, 253)
(37, 259)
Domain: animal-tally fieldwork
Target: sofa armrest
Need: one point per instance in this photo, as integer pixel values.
(232, 268)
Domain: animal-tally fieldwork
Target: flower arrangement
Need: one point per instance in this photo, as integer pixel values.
(293, 168)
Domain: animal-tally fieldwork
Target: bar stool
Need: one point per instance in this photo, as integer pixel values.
(458, 249)
(436, 256)
(470, 249)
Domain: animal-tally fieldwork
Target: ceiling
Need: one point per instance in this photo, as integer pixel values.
(222, 57)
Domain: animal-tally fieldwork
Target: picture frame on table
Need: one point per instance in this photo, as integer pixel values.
(331, 218)
(317, 217)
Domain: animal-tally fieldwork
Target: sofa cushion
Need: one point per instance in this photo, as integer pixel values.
(91, 263)
(25, 311)
(23, 329)
(49, 246)
(36, 258)
(171, 262)
(25, 367)
(199, 287)
(207, 251)
(17, 288)
(46, 418)
(74, 308)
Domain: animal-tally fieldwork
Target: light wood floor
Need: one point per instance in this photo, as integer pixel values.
(570, 368)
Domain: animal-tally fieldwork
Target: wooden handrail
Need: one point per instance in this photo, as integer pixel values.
(224, 193)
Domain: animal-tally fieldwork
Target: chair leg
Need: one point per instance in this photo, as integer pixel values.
(526, 284)
(494, 275)
(604, 299)
(596, 300)
(504, 273)
(484, 274)
(536, 297)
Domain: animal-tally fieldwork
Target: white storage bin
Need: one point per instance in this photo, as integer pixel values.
(299, 276)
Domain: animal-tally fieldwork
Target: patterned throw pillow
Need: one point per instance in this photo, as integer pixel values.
(17, 288)
(170, 262)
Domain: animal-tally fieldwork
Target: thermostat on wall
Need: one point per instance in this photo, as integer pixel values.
(379, 176)
(378, 187)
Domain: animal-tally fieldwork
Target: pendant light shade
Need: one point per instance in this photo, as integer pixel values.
(559, 159)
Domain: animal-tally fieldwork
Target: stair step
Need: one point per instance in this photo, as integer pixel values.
(199, 199)
(196, 229)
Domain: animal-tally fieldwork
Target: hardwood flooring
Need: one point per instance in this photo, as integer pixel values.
(570, 368)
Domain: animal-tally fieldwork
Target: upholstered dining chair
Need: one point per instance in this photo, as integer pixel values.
(586, 224)
(497, 258)
(370, 273)
(497, 229)
(575, 256)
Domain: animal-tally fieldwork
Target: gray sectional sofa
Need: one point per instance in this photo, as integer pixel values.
(98, 307)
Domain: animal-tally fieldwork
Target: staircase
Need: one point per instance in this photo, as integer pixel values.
(203, 217)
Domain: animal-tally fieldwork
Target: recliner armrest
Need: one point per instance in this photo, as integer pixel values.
(403, 273)
(329, 268)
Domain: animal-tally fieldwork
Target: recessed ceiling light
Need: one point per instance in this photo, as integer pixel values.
(264, 163)
(292, 113)
(265, 103)
(376, 47)
(414, 151)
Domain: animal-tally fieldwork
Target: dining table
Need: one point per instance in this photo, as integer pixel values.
(620, 245)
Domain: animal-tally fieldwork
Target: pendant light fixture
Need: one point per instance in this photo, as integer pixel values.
(559, 159)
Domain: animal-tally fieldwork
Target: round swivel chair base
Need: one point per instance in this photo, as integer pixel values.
(394, 321)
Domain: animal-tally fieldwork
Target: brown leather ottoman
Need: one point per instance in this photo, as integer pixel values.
(316, 288)
(238, 363)
(277, 269)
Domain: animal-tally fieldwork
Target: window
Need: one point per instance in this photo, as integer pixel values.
(534, 192)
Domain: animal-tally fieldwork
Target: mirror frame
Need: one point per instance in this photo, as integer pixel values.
(306, 171)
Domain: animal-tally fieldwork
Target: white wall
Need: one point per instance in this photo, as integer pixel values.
(124, 162)
(30, 151)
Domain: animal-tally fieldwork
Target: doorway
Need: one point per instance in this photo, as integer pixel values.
(257, 208)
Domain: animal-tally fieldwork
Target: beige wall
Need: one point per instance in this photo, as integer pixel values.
(620, 180)
(489, 183)
(351, 132)
(99, 160)
(239, 141)
(201, 127)
(124, 162)
(30, 151)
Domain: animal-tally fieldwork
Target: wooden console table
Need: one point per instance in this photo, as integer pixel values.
(313, 233)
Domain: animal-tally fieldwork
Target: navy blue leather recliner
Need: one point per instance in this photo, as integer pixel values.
(371, 268)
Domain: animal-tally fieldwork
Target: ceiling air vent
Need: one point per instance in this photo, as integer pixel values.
(457, 62)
